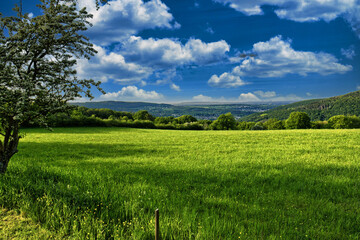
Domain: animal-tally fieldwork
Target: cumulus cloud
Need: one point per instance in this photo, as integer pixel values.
(202, 98)
(260, 96)
(137, 59)
(358, 87)
(348, 53)
(132, 93)
(226, 80)
(248, 97)
(303, 10)
(256, 96)
(105, 66)
(122, 18)
(276, 58)
(166, 53)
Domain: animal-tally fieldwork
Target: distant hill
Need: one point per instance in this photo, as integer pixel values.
(318, 109)
(199, 111)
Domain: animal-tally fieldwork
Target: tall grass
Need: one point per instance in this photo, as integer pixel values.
(105, 183)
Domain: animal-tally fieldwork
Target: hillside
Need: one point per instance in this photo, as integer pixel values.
(318, 109)
(199, 111)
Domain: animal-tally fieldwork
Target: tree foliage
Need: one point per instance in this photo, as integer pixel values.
(298, 120)
(185, 119)
(143, 115)
(224, 122)
(37, 67)
(344, 122)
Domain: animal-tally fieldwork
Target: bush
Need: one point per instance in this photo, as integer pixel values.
(343, 122)
(298, 120)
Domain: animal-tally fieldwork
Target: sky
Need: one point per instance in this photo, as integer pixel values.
(173, 51)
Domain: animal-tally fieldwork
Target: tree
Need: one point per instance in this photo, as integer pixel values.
(37, 67)
(143, 115)
(298, 120)
(274, 124)
(224, 122)
(185, 119)
(343, 122)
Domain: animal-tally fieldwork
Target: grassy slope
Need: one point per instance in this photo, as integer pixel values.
(318, 109)
(100, 182)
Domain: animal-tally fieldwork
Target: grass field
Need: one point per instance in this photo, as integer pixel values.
(104, 183)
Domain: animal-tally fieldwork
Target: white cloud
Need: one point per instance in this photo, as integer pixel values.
(358, 87)
(122, 18)
(297, 10)
(257, 96)
(348, 53)
(272, 96)
(202, 98)
(248, 97)
(276, 58)
(226, 80)
(105, 66)
(268, 94)
(167, 53)
(132, 93)
(175, 87)
(137, 59)
(308, 94)
(303, 10)
(353, 17)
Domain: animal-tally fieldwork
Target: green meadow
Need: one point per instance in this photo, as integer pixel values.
(105, 183)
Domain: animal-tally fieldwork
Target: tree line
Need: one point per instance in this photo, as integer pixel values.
(87, 117)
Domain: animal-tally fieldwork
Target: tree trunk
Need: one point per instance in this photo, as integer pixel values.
(3, 164)
(9, 146)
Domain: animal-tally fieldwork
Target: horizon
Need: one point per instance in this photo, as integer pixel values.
(223, 51)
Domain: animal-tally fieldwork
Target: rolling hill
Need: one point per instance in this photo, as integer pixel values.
(200, 111)
(318, 109)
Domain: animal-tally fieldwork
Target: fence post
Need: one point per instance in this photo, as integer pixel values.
(157, 230)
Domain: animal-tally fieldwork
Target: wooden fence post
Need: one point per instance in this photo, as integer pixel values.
(157, 230)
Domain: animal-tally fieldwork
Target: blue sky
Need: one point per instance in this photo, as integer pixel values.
(221, 50)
